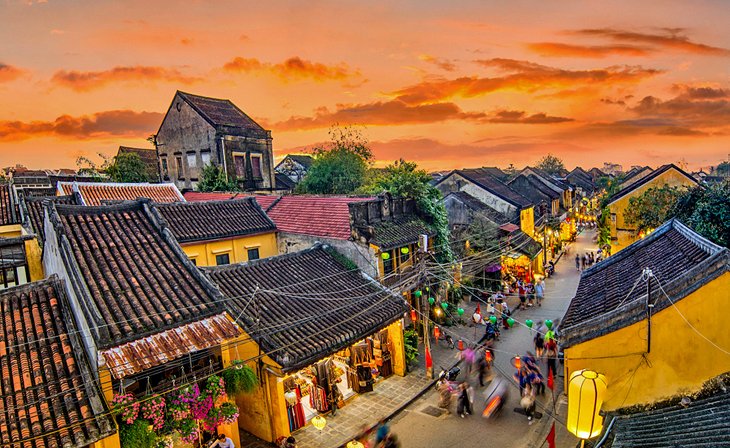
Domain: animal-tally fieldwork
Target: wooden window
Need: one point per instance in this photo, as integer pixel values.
(256, 166)
(240, 163)
(404, 256)
(14, 268)
(192, 160)
(253, 254)
(180, 171)
(205, 157)
(222, 259)
(388, 264)
(163, 163)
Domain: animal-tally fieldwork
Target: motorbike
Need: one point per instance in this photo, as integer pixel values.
(449, 375)
(550, 269)
(496, 395)
(446, 337)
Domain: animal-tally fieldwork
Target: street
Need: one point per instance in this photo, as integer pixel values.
(423, 424)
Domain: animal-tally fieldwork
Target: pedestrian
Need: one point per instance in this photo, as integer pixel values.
(381, 433)
(539, 344)
(522, 291)
(577, 262)
(540, 291)
(530, 294)
(503, 312)
(551, 353)
(391, 442)
(444, 394)
(584, 262)
(592, 258)
(463, 405)
(222, 442)
(482, 367)
(528, 402)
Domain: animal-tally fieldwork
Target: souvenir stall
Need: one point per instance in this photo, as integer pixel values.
(515, 267)
(352, 371)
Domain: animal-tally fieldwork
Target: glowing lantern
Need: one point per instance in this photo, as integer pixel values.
(488, 356)
(585, 398)
(418, 293)
(436, 332)
(431, 300)
(444, 305)
(517, 362)
(528, 322)
(493, 319)
(355, 444)
(460, 311)
(549, 324)
(413, 315)
(385, 255)
(510, 321)
(404, 250)
(319, 422)
(461, 345)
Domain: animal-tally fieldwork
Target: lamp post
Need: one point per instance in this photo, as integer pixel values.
(585, 398)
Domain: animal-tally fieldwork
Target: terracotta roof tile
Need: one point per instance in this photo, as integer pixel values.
(326, 216)
(47, 391)
(487, 181)
(96, 193)
(8, 211)
(312, 318)
(199, 221)
(399, 232)
(264, 201)
(34, 208)
(220, 112)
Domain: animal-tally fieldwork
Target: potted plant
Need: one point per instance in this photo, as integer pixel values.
(240, 378)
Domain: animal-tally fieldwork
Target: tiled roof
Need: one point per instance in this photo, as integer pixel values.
(325, 216)
(139, 281)
(579, 178)
(302, 159)
(518, 241)
(480, 207)
(48, 393)
(544, 175)
(96, 193)
(264, 201)
(596, 172)
(495, 172)
(211, 220)
(482, 178)
(8, 213)
(701, 423)
(399, 232)
(220, 112)
(680, 259)
(283, 182)
(34, 209)
(303, 303)
(644, 180)
(532, 188)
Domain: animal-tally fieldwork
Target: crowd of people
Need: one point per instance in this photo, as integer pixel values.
(587, 260)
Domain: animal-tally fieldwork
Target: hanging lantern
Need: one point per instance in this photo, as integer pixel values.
(413, 315)
(355, 444)
(418, 293)
(488, 356)
(460, 311)
(493, 319)
(436, 332)
(528, 322)
(445, 305)
(516, 362)
(431, 300)
(510, 322)
(404, 250)
(385, 255)
(461, 345)
(549, 324)
(585, 398)
(319, 422)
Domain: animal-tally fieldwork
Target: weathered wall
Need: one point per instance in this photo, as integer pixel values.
(360, 254)
(527, 221)
(455, 182)
(251, 146)
(680, 359)
(204, 253)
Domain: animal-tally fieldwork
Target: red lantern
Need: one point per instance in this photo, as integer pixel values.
(517, 362)
(488, 356)
(461, 345)
(413, 315)
(436, 332)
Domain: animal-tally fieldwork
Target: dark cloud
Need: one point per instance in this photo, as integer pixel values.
(555, 49)
(83, 81)
(521, 117)
(671, 38)
(686, 110)
(293, 68)
(9, 73)
(122, 123)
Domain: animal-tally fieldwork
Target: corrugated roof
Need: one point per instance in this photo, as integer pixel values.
(96, 193)
(326, 216)
(210, 220)
(48, 393)
(303, 305)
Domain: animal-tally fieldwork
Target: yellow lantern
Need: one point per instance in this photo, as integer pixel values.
(355, 444)
(585, 398)
(319, 422)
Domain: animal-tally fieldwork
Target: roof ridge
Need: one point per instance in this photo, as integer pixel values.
(234, 266)
(644, 180)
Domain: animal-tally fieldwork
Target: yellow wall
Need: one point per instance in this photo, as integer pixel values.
(623, 232)
(34, 257)
(680, 360)
(398, 357)
(10, 231)
(527, 221)
(395, 255)
(204, 253)
(107, 390)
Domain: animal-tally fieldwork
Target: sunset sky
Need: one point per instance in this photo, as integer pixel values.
(447, 84)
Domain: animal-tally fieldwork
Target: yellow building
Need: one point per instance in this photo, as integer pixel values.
(214, 233)
(623, 233)
(306, 338)
(653, 340)
(18, 248)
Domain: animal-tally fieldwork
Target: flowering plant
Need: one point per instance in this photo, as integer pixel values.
(201, 406)
(164, 442)
(215, 386)
(126, 406)
(188, 429)
(229, 412)
(178, 404)
(153, 409)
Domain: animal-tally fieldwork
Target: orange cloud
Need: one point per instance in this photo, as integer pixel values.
(113, 123)
(672, 39)
(9, 73)
(293, 68)
(443, 64)
(555, 49)
(522, 76)
(521, 117)
(84, 81)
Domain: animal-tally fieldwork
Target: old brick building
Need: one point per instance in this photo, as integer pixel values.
(199, 131)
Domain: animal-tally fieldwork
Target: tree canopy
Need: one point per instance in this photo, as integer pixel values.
(213, 178)
(340, 166)
(653, 207)
(551, 164)
(128, 167)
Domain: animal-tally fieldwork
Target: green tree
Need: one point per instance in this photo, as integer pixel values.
(404, 179)
(551, 164)
(723, 169)
(88, 167)
(707, 211)
(653, 207)
(213, 178)
(340, 166)
(127, 167)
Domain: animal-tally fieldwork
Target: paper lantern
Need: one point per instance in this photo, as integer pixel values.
(436, 332)
(528, 322)
(493, 319)
(413, 315)
(585, 398)
(516, 362)
(385, 255)
(461, 345)
(355, 444)
(549, 324)
(319, 422)
(510, 321)
(431, 300)
(418, 293)
(460, 311)
(445, 305)
(404, 250)
(488, 356)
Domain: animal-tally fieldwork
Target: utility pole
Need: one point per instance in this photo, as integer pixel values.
(649, 306)
(423, 250)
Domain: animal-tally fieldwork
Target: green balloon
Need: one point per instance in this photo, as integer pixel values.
(460, 311)
(431, 300)
(549, 324)
(510, 321)
(418, 293)
(444, 305)
(493, 319)
(528, 322)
